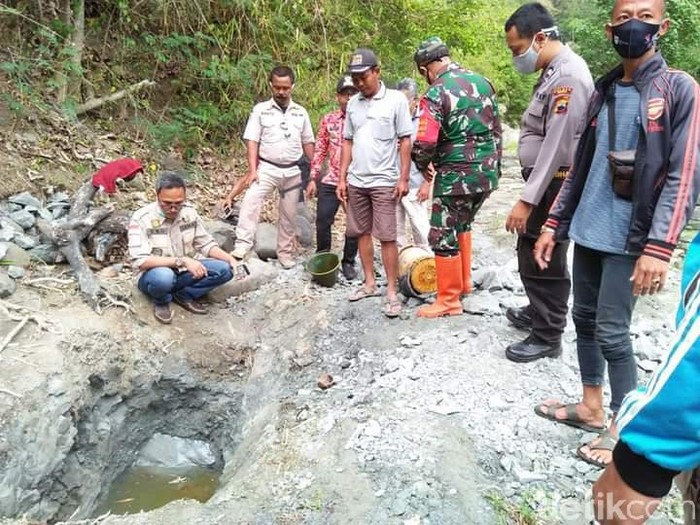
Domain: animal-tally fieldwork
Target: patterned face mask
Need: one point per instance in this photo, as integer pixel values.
(632, 38)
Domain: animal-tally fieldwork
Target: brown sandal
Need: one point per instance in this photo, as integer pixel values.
(606, 441)
(572, 418)
(392, 307)
(364, 292)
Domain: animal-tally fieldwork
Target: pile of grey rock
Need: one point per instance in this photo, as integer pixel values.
(20, 239)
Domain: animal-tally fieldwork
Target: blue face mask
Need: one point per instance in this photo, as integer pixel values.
(632, 38)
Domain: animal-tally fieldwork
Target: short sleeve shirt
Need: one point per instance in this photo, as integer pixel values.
(553, 121)
(280, 134)
(375, 125)
(151, 233)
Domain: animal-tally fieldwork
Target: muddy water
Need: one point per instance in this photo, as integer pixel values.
(148, 488)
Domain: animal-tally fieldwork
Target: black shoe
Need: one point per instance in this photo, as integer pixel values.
(520, 318)
(532, 349)
(349, 271)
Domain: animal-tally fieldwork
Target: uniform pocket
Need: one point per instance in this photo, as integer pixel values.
(297, 123)
(271, 131)
(535, 116)
(268, 121)
(188, 237)
(537, 108)
(160, 245)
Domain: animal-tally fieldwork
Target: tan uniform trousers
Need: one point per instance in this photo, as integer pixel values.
(289, 189)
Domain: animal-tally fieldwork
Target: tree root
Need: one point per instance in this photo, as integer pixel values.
(24, 312)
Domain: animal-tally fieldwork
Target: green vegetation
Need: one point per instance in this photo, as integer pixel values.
(583, 24)
(210, 58)
(513, 513)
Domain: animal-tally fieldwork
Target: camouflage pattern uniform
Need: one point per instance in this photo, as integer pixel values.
(460, 133)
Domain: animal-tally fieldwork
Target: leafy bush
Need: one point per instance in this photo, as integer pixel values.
(211, 58)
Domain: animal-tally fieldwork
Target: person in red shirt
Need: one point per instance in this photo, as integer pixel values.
(323, 183)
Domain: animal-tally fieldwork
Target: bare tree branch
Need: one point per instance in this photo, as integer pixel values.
(97, 102)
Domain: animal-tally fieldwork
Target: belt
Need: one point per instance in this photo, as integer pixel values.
(560, 174)
(284, 191)
(278, 165)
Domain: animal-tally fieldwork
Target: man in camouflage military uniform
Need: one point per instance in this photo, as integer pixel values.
(460, 134)
(549, 133)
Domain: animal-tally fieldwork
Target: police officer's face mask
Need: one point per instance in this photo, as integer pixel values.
(632, 38)
(526, 62)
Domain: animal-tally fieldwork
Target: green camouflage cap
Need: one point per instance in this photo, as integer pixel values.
(430, 50)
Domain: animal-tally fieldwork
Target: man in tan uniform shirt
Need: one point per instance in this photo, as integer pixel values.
(174, 258)
(278, 133)
(549, 133)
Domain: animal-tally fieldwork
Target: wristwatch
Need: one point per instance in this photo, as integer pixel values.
(179, 263)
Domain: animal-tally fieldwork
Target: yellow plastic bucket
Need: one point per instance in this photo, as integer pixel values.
(417, 270)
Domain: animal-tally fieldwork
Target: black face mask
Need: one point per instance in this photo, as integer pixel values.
(634, 37)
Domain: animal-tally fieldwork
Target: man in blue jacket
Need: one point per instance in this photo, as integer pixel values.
(631, 191)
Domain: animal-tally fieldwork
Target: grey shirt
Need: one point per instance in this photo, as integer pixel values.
(553, 122)
(375, 125)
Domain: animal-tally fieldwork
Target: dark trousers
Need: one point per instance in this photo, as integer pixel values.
(326, 210)
(603, 304)
(548, 290)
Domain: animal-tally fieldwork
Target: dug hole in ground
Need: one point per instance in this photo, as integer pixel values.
(426, 422)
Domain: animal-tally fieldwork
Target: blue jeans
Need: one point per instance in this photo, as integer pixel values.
(603, 304)
(162, 283)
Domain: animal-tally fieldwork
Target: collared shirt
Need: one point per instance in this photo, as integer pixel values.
(329, 144)
(375, 125)
(280, 134)
(554, 120)
(151, 233)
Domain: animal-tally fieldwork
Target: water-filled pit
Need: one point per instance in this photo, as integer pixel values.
(122, 452)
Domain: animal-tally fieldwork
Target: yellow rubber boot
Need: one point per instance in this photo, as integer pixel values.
(449, 285)
(465, 250)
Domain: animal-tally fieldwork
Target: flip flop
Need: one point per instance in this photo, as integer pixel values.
(606, 442)
(363, 292)
(572, 418)
(392, 307)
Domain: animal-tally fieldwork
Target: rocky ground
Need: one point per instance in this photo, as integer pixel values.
(426, 422)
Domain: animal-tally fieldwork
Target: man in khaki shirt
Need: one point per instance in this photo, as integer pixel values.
(278, 133)
(173, 256)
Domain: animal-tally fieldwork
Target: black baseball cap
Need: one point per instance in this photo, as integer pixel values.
(344, 82)
(362, 60)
